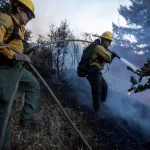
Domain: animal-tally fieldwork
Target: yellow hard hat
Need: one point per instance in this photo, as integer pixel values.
(26, 3)
(107, 35)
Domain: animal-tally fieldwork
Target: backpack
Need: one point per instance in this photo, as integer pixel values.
(83, 65)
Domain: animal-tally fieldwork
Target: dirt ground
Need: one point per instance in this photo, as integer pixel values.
(55, 132)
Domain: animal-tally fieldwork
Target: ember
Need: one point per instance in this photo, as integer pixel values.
(129, 93)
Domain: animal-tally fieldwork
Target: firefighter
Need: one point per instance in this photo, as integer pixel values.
(12, 33)
(98, 58)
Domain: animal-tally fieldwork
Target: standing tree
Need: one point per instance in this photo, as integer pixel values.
(62, 51)
(59, 56)
(134, 38)
(42, 59)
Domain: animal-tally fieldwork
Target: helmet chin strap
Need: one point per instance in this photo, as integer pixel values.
(102, 43)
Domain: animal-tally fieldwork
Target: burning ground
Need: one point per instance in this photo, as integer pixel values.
(108, 131)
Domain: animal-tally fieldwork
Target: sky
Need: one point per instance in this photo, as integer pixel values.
(92, 16)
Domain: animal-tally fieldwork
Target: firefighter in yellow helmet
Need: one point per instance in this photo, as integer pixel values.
(26, 5)
(98, 58)
(12, 33)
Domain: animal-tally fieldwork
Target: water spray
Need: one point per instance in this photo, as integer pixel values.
(130, 66)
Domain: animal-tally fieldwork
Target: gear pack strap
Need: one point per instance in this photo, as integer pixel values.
(15, 32)
(3, 24)
(99, 59)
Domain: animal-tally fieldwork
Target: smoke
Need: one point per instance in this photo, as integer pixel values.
(130, 112)
(81, 87)
(134, 113)
(76, 13)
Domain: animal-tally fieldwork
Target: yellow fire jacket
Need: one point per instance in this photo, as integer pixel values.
(6, 28)
(100, 56)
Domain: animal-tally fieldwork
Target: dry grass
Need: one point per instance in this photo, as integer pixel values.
(55, 133)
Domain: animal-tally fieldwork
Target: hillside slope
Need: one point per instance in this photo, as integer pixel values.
(102, 132)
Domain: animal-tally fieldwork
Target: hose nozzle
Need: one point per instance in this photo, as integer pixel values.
(114, 54)
(118, 56)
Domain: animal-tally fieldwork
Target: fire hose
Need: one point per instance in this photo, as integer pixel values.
(48, 88)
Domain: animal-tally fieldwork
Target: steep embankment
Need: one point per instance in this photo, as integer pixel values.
(103, 133)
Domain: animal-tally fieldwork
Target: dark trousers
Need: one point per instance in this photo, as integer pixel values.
(27, 84)
(99, 86)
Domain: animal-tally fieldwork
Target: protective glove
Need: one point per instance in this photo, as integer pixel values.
(22, 57)
(28, 51)
(31, 47)
(114, 54)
